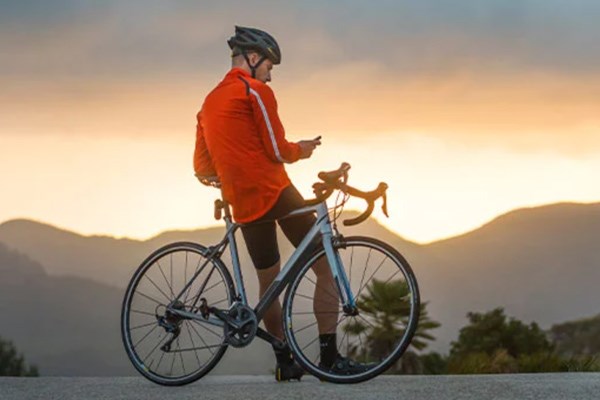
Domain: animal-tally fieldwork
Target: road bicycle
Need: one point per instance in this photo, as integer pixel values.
(182, 309)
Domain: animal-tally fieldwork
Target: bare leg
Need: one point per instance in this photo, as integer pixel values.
(326, 302)
(325, 305)
(286, 368)
(273, 317)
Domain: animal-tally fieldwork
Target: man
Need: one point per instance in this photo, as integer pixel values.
(241, 146)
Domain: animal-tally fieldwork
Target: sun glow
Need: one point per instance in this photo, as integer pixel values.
(134, 188)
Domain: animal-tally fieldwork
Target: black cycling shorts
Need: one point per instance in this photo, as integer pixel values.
(261, 237)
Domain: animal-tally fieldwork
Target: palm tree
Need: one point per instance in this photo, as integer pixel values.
(385, 309)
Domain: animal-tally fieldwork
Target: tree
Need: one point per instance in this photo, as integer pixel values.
(387, 305)
(577, 338)
(434, 363)
(491, 343)
(12, 363)
(491, 331)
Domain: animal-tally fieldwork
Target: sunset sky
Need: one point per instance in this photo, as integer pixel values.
(466, 108)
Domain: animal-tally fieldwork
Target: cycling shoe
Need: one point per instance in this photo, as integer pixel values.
(288, 371)
(346, 366)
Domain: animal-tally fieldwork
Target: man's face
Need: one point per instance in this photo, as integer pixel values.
(263, 72)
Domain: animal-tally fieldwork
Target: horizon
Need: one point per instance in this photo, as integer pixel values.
(466, 110)
(221, 225)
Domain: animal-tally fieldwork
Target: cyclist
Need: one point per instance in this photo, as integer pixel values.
(241, 147)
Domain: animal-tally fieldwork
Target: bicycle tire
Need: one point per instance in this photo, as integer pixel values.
(306, 360)
(127, 311)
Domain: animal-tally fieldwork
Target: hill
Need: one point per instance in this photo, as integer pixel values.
(113, 261)
(578, 337)
(540, 264)
(69, 326)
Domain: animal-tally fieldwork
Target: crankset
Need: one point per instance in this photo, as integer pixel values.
(240, 325)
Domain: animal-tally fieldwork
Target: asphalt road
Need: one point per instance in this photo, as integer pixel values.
(571, 386)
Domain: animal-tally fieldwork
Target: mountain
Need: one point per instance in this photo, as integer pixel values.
(69, 326)
(84, 277)
(540, 264)
(59, 323)
(112, 261)
(100, 258)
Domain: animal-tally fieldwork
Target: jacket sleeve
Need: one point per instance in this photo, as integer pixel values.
(203, 163)
(270, 127)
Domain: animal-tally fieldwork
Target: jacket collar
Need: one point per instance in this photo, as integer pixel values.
(237, 71)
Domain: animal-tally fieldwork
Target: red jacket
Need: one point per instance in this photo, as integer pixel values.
(240, 139)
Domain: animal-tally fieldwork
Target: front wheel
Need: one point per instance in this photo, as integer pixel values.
(360, 342)
(164, 346)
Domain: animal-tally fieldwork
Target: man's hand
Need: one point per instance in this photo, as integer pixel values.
(307, 147)
(212, 181)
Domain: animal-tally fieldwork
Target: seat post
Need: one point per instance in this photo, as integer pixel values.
(233, 249)
(226, 208)
(227, 211)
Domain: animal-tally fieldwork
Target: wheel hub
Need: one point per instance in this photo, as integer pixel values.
(350, 311)
(171, 317)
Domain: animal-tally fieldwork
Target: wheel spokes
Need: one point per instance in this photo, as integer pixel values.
(150, 324)
(373, 332)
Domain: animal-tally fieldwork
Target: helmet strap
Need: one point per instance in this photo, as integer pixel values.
(255, 66)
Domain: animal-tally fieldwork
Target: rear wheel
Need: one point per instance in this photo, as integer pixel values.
(163, 346)
(370, 338)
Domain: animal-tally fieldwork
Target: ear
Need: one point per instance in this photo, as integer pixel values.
(253, 57)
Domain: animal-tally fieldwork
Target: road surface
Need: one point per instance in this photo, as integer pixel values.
(565, 386)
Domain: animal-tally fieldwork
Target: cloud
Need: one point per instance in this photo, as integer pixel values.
(538, 34)
(531, 112)
(519, 74)
(128, 37)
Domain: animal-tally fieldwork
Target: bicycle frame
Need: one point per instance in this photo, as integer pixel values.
(322, 226)
(288, 272)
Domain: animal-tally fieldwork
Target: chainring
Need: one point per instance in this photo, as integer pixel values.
(247, 323)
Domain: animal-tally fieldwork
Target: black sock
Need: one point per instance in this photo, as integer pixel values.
(283, 356)
(328, 348)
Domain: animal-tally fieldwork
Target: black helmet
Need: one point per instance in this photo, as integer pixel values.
(257, 40)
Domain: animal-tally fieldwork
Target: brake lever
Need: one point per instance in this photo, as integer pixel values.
(218, 209)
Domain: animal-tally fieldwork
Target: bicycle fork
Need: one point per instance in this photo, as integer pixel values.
(339, 274)
(341, 280)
